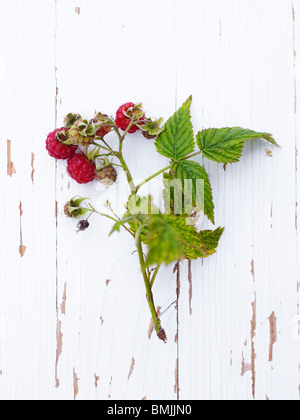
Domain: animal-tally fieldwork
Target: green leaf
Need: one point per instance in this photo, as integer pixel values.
(226, 145)
(163, 242)
(176, 141)
(170, 238)
(201, 191)
(210, 239)
(192, 244)
(194, 192)
(195, 245)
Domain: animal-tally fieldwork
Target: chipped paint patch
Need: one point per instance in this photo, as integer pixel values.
(11, 170)
(22, 247)
(63, 304)
(96, 380)
(273, 334)
(59, 346)
(246, 367)
(75, 384)
(253, 270)
(131, 368)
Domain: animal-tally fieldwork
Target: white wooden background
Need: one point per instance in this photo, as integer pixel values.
(74, 322)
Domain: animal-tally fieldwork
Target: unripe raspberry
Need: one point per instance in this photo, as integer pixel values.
(75, 136)
(107, 175)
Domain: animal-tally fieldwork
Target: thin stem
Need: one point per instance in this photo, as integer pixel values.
(152, 177)
(154, 275)
(105, 148)
(192, 155)
(157, 323)
(115, 220)
(128, 174)
(164, 170)
(127, 129)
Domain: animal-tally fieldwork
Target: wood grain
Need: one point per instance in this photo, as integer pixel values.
(73, 318)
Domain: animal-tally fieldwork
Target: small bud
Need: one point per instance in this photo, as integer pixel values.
(83, 225)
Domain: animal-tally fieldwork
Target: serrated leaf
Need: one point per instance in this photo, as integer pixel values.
(210, 239)
(195, 186)
(225, 145)
(192, 245)
(170, 238)
(176, 141)
(163, 242)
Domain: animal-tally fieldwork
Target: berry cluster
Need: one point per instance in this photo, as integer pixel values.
(72, 142)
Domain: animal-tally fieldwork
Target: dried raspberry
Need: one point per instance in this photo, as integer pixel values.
(123, 122)
(83, 225)
(104, 129)
(57, 149)
(81, 169)
(107, 175)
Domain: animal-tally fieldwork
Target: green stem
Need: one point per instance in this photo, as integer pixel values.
(127, 173)
(152, 177)
(111, 218)
(157, 323)
(192, 155)
(164, 170)
(105, 148)
(154, 275)
(127, 130)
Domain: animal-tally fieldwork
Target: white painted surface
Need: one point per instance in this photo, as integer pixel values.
(64, 331)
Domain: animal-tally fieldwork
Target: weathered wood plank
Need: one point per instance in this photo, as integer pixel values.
(245, 51)
(74, 323)
(106, 323)
(27, 185)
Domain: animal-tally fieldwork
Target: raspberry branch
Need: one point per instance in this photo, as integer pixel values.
(169, 236)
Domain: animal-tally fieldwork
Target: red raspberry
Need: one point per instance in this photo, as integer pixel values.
(57, 149)
(81, 169)
(122, 121)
